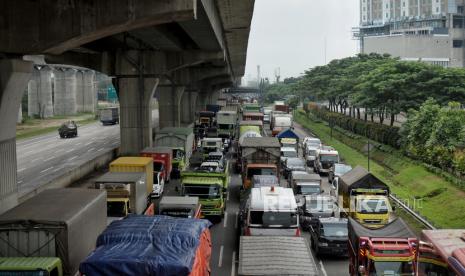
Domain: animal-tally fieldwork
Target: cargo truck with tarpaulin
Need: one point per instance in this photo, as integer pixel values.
(226, 121)
(389, 250)
(275, 256)
(209, 185)
(248, 126)
(258, 156)
(365, 197)
(151, 245)
(447, 256)
(126, 192)
(52, 232)
(181, 142)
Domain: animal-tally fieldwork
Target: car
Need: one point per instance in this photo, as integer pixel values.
(329, 236)
(68, 129)
(287, 152)
(293, 164)
(266, 118)
(310, 154)
(337, 170)
(312, 142)
(316, 207)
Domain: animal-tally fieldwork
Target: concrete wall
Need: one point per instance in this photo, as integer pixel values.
(424, 47)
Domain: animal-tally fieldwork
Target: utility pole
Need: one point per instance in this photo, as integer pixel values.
(325, 50)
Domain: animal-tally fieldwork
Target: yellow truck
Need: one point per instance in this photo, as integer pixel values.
(135, 164)
(365, 198)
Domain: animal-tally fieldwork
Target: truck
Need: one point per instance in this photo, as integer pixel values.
(270, 211)
(162, 158)
(109, 115)
(389, 250)
(213, 108)
(250, 107)
(252, 116)
(226, 121)
(258, 156)
(326, 158)
(365, 198)
(211, 145)
(151, 245)
(206, 119)
(306, 184)
(135, 164)
(210, 185)
(442, 252)
(281, 106)
(180, 206)
(126, 193)
(261, 256)
(280, 123)
(50, 233)
(181, 142)
(245, 126)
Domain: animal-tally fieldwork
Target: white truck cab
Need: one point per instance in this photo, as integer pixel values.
(326, 158)
(270, 211)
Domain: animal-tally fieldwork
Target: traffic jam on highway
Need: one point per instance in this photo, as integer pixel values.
(288, 199)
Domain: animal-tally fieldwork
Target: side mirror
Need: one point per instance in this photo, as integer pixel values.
(361, 269)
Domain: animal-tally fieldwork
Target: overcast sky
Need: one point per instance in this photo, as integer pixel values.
(290, 34)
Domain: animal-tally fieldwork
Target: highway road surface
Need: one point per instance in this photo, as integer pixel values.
(43, 158)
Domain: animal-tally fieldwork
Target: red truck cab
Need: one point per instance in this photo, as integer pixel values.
(162, 157)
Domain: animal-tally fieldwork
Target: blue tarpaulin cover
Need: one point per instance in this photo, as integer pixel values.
(146, 245)
(287, 133)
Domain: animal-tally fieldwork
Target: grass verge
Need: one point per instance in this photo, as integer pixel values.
(436, 199)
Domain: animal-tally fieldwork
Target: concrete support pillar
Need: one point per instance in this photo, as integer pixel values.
(135, 114)
(214, 96)
(89, 91)
(20, 114)
(14, 77)
(188, 102)
(65, 91)
(40, 93)
(80, 95)
(169, 99)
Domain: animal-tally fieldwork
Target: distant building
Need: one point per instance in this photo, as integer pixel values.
(431, 31)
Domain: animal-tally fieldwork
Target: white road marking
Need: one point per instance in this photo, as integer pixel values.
(50, 158)
(323, 268)
(70, 150)
(88, 143)
(57, 169)
(74, 157)
(77, 144)
(220, 261)
(227, 196)
(91, 149)
(19, 182)
(233, 264)
(37, 159)
(100, 149)
(237, 220)
(225, 219)
(46, 169)
(22, 169)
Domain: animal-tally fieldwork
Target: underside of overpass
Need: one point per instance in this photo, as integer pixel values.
(180, 51)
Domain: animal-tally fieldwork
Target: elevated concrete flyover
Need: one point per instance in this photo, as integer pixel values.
(241, 92)
(181, 51)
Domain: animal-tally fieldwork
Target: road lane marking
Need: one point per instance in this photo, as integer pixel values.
(70, 150)
(77, 144)
(91, 149)
(50, 158)
(237, 220)
(100, 149)
(227, 196)
(220, 261)
(19, 182)
(88, 143)
(46, 169)
(233, 264)
(74, 157)
(323, 268)
(37, 159)
(57, 169)
(22, 169)
(225, 219)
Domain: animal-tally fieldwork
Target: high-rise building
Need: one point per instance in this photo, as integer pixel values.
(432, 31)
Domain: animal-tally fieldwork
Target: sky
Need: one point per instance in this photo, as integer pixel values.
(291, 34)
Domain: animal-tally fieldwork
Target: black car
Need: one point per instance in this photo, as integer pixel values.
(316, 207)
(68, 129)
(330, 236)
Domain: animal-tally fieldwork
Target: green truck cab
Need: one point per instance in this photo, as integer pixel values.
(210, 185)
(31, 266)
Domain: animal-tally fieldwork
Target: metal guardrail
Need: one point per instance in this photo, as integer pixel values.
(412, 213)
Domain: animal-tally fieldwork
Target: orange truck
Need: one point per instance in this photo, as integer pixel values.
(259, 156)
(389, 250)
(442, 253)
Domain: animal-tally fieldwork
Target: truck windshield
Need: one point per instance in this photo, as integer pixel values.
(116, 209)
(329, 158)
(391, 268)
(308, 189)
(203, 191)
(372, 206)
(178, 212)
(157, 166)
(273, 219)
(334, 230)
(178, 154)
(311, 152)
(260, 171)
